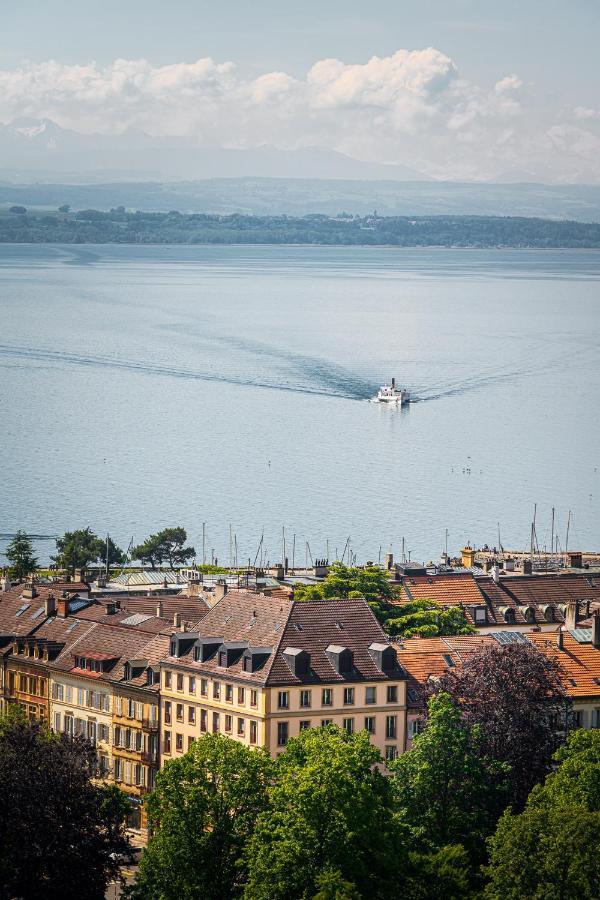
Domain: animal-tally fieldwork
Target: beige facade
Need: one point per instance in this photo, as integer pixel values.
(80, 705)
(193, 704)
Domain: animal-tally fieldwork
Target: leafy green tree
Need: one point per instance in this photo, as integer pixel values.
(77, 549)
(444, 874)
(369, 582)
(515, 693)
(330, 811)
(203, 811)
(20, 555)
(552, 849)
(446, 791)
(165, 546)
(332, 886)
(61, 836)
(426, 618)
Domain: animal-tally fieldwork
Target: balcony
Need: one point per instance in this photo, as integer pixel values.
(150, 757)
(150, 725)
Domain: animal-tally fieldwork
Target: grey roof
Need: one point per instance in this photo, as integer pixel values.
(582, 635)
(509, 637)
(135, 619)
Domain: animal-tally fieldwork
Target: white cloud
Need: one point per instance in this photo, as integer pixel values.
(411, 107)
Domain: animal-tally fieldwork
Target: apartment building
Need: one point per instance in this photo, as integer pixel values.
(261, 668)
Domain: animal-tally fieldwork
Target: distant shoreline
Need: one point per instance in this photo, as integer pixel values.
(19, 226)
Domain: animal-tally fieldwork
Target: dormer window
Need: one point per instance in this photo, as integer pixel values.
(297, 660)
(384, 656)
(341, 658)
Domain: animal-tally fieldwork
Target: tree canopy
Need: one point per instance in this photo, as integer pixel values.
(370, 582)
(20, 556)
(447, 792)
(165, 546)
(77, 549)
(61, 836)
(329, 823)
(551, 850)
(202, 812)
(425, 618)
(515, 693)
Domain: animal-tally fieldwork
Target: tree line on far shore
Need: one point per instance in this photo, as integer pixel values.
(92, 226)
(493, 802)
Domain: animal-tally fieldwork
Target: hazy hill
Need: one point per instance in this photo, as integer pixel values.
(298, 197)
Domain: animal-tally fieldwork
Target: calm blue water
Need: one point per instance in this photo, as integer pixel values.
(147, 386)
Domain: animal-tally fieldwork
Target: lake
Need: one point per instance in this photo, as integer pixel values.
(149, 386)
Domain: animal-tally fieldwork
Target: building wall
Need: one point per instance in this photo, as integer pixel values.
(83, 706)
(350, 706)
(27, 683)
(135, 745)
(193, 704)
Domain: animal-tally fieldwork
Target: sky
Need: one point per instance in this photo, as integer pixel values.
(468, 89)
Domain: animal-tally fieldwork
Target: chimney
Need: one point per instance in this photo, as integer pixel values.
(571, 615)
(111, 608)
(560, 639)
(49, 605)
(596, 631)
(527, 567)
(159, 609)
(496, 573)
(468, 556)
(389, 561)
(220, 590)
(62, 606)
(79, 575)
(29, 592)
(176, 620)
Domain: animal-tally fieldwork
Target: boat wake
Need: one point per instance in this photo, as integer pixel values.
(308, 375)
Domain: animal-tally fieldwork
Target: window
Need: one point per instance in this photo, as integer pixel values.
(167, 712)
(390, 727)
(371, 695)
(168, 680)
(204, 687)
(203, 720)
(57, 721)
(118, 771)
(179, 712)
(304, 724)
(305, 699)
(253, 732)
(241, 727)
(370, 724)
(390, 753)
(326, 722)
(283, 700)
(327, 697)
(348, 696)
(179, 681)
(282, 733)
(69, 693)
(415, 726)
(192, 684)
(57, 691)
(192, 715)
(228, 723)
(167, 742)
(216, 689)
(229, 693)
(392, 693)
(131, 709)
(348, 725)
(80, 697)
(253, 698)
(179, 743)
(69, 726)
(480, 615)
(577, 718)
(215, 721)
(241, 696)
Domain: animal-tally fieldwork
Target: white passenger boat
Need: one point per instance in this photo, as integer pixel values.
(389, 393)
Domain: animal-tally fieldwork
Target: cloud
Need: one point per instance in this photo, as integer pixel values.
(412, 107)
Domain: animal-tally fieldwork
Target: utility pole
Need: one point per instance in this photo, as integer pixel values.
(204, 543)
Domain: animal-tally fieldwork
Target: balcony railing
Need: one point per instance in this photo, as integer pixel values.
(150, 724)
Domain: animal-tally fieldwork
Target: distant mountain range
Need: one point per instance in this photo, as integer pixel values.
(43, 165)
(40, 148)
